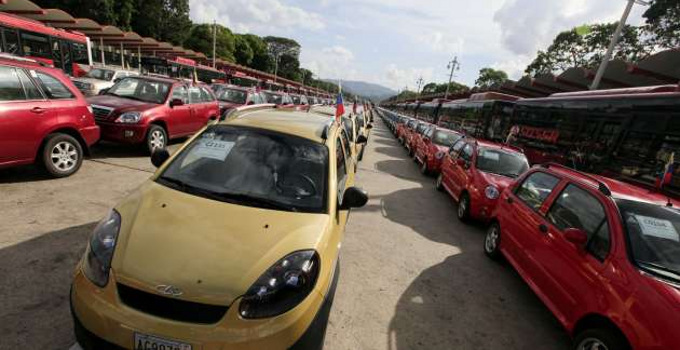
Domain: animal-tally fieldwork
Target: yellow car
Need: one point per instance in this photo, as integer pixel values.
(232, 244)
(349, 122)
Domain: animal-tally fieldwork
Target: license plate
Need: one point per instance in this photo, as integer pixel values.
(149, 342)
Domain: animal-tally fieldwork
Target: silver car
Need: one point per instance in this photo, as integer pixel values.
(99, 78)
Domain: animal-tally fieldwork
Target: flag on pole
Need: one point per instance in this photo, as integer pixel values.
(339, 103)
(667, 175)
(354, 107)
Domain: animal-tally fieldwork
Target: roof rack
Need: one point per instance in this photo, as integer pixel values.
(601, 186)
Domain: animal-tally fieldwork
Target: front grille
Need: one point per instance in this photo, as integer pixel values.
(170, 308)
(101, 112)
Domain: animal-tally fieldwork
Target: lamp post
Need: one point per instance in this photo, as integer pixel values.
(453, 65)
(420, 82)
(615, 40)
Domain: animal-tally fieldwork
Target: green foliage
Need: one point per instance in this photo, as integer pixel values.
(579, 47)
(242, 51)
(434, 88)
(163, 20)
(201, 39)
(663, 24)
(261, 59)
(113, 12)
(489, 77)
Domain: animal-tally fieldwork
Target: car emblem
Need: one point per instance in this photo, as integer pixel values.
(169, 290)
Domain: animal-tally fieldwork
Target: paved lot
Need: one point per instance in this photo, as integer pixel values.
(412, 277)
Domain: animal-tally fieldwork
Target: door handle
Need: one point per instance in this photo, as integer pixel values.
(38, 110)
(543, 228)
(510, 200)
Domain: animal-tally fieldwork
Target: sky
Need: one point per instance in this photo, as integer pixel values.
(394, 42)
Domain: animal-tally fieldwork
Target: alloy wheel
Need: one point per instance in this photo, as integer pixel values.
(491, 240)
(462, 207)
(157, 139)
(592, 344)
(64, 156)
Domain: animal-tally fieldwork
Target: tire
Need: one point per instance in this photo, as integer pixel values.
(439, 184)
(608, 339)
(156, 137)
(463, 211)
(492, 242)
(62, 155)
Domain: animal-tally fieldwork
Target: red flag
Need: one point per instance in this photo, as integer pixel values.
(339, 107)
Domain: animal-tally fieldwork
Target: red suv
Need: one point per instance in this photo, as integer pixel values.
(476, 172)
(231, 96)
(604, 256)
(152, 110)
(43, 118)
(433, 147)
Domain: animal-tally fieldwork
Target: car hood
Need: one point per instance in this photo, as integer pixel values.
(120, 104)
(499, 181)
(212, 251)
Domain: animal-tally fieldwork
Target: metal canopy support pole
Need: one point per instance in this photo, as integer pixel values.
(612, 45)
(122, 56)
(101, 49)
(139, 58)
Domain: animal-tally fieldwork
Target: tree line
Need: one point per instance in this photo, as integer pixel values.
(168, 20)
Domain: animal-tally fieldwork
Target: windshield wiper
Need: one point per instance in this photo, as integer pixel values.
(258, 201)
(660, 270)
(185, 187)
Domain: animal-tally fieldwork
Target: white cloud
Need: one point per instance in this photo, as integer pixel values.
(330, 62)
(514, 65)
(261, 16)
(400, 78)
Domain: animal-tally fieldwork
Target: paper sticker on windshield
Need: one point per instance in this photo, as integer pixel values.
(491, 155)
(214, 149)
(656, 227)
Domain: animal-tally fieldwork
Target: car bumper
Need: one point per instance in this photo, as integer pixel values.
(482, 208)
(102, 321)
(91, 134)
(123, 133)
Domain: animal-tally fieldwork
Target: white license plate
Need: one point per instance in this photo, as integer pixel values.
(149, 342)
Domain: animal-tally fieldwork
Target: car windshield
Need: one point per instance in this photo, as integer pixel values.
(232, 96)
(274, 98)
(100, 74)
(501, 162)
(445, 138)
(653, 236)
(252, 167)
(141, 90)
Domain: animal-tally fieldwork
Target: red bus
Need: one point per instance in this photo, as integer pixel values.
(182, 68)
(62, 49)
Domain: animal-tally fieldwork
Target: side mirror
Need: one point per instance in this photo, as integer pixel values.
(361, 139)
(369, 126)
(354, 198)
(117, 80)
(159, 156)
(576, 236)
(176, 102)
(103, 91)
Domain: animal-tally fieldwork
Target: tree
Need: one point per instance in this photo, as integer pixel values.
(163, 20)
(489, 77)
(242, 51)
(663, 24)
(110, 12)
(429, 88)
(285, 52)
(585, 46)
(261, 58)
(201, 39)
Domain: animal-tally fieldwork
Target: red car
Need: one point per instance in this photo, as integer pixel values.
(405, 128)
(43, 118)
(415, 136)
(153, 110)
(604, 256)
(475, 173)
(232, 96)
(433, 147)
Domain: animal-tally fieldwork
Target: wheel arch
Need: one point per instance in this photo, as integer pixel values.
(594, 320)
(67, 131)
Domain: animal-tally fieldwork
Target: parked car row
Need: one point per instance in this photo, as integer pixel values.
(46, 119)
(603, 255)
(253, 263)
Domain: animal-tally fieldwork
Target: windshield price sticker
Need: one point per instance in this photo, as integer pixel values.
(214, 149)
(656, 227)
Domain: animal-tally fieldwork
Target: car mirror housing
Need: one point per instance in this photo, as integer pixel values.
(576, 236)
(362, 139)
(354, 197)
(159, 156)
(176, 102)
(369, 126)
(103, 91)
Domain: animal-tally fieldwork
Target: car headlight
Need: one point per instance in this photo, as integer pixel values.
(129, 118)
(439, 155)
(491, 192)
(282, 287)
(100, 249)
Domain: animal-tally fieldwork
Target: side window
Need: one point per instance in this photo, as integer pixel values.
(32, 91)
(456, 148)
(52, 86)
(180, 92)
(206, 96)
(536, 188)
(341, 164)
(576, 208)
(10, 86)
(194, 94)
(466, 154)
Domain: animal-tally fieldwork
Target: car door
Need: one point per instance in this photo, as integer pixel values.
(449, 164)
(25, 115)
(181, 118)
(199, 111)
(460, 173)
(573, 273)
(521, 219)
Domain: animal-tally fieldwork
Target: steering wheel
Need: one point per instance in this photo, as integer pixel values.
(299, 189)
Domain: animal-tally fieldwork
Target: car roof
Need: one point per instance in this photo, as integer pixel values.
(303, 124)
(496, 145)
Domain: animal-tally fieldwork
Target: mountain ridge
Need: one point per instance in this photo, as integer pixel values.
(372, 91)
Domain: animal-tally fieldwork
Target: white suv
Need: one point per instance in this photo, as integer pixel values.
(99, 78)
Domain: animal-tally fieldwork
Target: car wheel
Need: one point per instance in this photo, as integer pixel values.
(492, 242)
(62, 155)
(601, 339)
(464, 208)
(439, 185)
(156, 138)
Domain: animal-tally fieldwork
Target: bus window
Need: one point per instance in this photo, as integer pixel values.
(11, 44)
(56, 55)
(80, 53)
(36, 45)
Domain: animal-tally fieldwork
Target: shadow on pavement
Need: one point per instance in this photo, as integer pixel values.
(404, 168)
(394, 152)
(24, 173)
(35, 284)
(471, 302)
